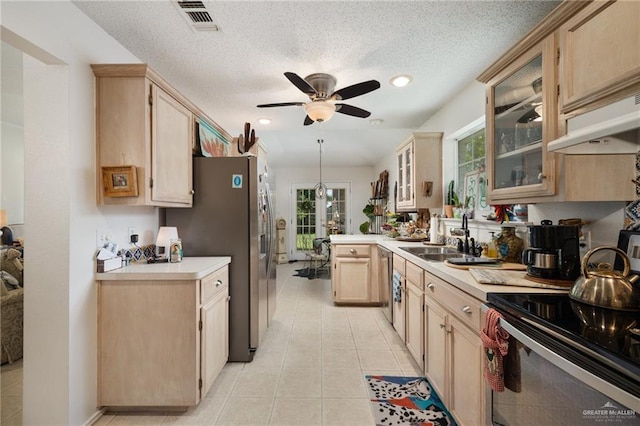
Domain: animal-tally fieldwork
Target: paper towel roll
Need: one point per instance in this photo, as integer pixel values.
(433, 229)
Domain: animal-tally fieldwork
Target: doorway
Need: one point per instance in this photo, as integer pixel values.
(317, 218)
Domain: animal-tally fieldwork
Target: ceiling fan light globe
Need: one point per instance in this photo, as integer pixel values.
(320, 110)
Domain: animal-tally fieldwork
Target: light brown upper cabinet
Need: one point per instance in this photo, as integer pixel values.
(419, 160)
(141, 120)
(582, 56)
(520, 119)
(599, 55)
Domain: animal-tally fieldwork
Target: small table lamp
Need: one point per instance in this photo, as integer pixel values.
(165, 235)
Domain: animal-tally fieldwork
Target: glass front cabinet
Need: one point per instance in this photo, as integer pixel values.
(521, 120)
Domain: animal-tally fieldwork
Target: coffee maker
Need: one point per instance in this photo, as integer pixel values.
(554, 251)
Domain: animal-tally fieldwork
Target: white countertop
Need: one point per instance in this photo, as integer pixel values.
(191, 268)
(457, 277)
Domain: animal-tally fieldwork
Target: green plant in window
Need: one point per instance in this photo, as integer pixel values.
(468, 202)
(452, 195)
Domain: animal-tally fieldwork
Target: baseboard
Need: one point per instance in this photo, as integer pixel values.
(96, 416)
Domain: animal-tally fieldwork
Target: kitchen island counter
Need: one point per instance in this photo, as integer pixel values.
(190, 268)
(459, 278)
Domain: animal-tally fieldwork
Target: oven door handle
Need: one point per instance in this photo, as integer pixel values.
(581, 374)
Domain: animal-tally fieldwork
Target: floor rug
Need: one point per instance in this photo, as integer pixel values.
(406, 401)
(312, 274)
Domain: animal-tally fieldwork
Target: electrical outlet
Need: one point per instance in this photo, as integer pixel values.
(103, 236)
(131, 231)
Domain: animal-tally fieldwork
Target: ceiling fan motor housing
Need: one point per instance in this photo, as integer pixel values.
(324, 84)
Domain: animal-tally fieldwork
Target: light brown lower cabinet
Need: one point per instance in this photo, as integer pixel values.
(354, 279)
(414, 307)
(161, 343)
(453, 350)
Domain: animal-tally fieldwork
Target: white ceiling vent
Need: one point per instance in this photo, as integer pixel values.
(196, 15)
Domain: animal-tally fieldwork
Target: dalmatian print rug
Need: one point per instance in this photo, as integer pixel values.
(406, 401)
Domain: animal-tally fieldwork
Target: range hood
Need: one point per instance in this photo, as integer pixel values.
(612, 129)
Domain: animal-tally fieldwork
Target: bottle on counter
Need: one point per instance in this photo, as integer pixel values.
(492, 250)
(509, 245)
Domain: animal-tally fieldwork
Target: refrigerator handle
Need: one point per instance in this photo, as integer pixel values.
(270, 226)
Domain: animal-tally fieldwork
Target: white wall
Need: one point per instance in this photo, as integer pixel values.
(61, 216)
(359, 178)
(12, 137)
(464, 108)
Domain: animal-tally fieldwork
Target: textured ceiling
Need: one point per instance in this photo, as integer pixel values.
(443, 44)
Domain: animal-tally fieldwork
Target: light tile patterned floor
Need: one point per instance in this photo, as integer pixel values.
(309, 369)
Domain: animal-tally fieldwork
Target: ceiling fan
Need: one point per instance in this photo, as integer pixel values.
(320, 89)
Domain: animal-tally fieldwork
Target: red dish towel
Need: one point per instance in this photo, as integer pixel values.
(496, 346)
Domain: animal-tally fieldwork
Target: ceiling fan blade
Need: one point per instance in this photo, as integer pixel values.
(355, 90)
(300, 83)
(351, 110)
(308, 120)
(281, 104)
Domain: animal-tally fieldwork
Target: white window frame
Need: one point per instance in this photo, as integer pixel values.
(451, 143)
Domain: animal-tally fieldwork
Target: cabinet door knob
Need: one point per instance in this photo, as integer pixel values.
(466, 309)
(218, 283)
(228, 298)
(193, 192)
(441, 325)
(352, 251)
(431, 286)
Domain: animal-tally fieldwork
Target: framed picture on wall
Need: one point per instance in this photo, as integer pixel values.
(120, 181)
(212, 142)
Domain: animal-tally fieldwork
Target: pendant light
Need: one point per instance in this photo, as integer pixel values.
(320, 188)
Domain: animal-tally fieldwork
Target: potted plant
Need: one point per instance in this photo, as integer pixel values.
(451, 199)
(467, 207)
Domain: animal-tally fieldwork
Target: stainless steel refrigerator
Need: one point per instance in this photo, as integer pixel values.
(232, 216)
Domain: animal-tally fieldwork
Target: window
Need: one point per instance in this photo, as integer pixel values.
(471, 156)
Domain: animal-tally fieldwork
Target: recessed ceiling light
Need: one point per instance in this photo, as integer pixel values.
(401, 80)
(376, 121)
(264, 121)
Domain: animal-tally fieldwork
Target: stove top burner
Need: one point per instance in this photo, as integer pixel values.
(616, 334)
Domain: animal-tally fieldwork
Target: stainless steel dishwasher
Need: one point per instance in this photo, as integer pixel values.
(386, 282)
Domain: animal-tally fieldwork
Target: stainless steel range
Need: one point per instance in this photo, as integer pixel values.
(576, 363)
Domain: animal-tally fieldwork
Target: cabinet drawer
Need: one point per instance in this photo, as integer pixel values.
(414, 275)
(399, 264)
(213, 284)
(352, 250)
(466, 308)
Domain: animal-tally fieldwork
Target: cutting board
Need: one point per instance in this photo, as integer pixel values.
(513, 278)
(502, 265)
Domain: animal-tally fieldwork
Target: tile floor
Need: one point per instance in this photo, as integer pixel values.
(11, 391)
(308, 370)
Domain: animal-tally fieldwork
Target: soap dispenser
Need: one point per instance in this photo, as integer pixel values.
(492, 249)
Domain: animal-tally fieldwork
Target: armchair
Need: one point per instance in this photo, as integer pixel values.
(11, 325)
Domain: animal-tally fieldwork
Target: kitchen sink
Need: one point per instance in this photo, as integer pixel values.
(419, 251)
(436, 254)
(441, 257)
